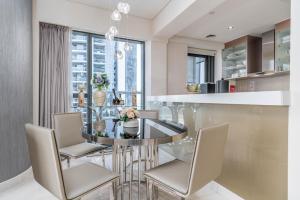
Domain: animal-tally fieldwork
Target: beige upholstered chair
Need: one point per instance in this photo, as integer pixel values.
(70, 142)
(149, 114)
(72, 183)
(181, 179)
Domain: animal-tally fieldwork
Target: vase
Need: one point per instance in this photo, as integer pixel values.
(131, 130)
(99, 98)
(131, 123)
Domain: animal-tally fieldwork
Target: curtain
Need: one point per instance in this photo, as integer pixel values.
(53, 72)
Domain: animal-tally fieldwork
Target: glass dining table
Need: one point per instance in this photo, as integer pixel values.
(148, 135)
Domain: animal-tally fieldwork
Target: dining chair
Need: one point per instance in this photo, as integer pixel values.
(71, 183)
(70, 142)
(179, 177)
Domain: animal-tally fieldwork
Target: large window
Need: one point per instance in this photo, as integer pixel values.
(93, 54)
(200, 68)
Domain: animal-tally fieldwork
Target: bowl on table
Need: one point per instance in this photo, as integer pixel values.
(193, 87)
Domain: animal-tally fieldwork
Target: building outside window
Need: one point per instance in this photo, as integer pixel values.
(93, 54)
(200, 68)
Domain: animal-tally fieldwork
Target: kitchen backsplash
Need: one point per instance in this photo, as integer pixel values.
(263, 84)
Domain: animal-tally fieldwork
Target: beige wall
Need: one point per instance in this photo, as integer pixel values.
(264, 84)
(177, 67)
(156, 68)
(177, 61)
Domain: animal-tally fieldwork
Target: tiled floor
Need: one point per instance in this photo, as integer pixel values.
(28, 189)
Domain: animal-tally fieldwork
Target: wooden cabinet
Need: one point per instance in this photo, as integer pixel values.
(242, 56)
(282, 46)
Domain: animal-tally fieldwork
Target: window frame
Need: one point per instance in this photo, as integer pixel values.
(209, 66)
(89, 94)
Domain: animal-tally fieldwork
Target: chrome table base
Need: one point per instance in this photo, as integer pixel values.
(119, 160)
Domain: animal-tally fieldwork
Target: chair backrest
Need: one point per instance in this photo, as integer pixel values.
(148, 114)
(67, 128)
(45, 159)
(208, 156)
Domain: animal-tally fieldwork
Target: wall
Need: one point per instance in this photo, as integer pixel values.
(255, 164)
(156, 68)
(15, 85)
(294, 111)
(177, 61)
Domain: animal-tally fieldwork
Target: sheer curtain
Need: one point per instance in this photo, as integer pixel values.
(53, 72)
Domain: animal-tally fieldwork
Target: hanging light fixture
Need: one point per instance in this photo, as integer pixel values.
(109, 36)
(116, 15)
(127, 47)
(113, 30)
(123, 7)
(119, 54)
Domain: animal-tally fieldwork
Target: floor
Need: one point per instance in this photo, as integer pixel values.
(26, 188)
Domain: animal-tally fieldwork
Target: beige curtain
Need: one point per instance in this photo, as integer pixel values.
(53, 72)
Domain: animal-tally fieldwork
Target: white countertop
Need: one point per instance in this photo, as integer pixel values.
(265, 98)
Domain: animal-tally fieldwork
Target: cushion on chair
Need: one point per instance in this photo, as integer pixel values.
(174, 174)
(86, 177)
(81, 149)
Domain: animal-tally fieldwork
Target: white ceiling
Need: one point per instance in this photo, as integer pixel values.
(247, 16)
(147, 9)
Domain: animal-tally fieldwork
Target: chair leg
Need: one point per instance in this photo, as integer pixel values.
(147, 189)
(103, 158)
(68, 162)
(155, 192)
(112, 192)
(150, 192)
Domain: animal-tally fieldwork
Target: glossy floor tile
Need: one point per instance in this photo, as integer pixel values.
(30, 189)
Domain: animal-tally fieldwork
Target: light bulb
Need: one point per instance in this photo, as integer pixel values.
(123, 7)
(116, 15)
(113, 30)
(119, 54)
(109, 36)
(127, 46)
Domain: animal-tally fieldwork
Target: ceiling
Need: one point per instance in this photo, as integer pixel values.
(246, 16)
(147, 9)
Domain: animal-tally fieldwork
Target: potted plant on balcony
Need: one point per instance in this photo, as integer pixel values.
(130, 117)
(101, 83)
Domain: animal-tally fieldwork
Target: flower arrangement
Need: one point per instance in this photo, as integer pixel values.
(100, 81)
(129, 114)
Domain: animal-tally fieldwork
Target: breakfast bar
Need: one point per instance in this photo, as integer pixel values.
(257, 142)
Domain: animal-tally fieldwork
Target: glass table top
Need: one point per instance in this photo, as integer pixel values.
(112, 131)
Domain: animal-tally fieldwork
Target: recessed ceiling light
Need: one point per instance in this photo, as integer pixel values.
(230, 28)
(210, 36)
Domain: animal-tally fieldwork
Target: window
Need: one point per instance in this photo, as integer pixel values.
(94, 54)
(200, 68)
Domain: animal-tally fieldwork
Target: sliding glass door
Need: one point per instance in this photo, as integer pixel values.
(93, 54)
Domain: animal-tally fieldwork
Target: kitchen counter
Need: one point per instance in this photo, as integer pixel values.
(265, 98)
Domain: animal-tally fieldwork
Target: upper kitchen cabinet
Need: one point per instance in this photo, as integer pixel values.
(242, 56)
(282, 46)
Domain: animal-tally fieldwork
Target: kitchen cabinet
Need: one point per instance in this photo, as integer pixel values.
(282, 46)
(242, 56)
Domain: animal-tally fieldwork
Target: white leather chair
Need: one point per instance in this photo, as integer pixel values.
(70, 142)
(182, 180)
(71, 183)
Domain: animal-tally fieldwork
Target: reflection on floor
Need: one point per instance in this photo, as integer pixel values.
(29, 189)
